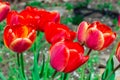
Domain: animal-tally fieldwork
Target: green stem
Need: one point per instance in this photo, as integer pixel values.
(65, 76)
(89, 52)
(43, 65)
(107, 78)
(22, 64)
(18, 60)
(83, 72)
(55, 72)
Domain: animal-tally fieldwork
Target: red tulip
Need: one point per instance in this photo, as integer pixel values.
(96, 36)
(14, 18)
(30, 16)
(4, 9)
(33, 16)
(67, 56)
(55, 32)
(119, 20)
(19, 38)
(39, 17)
(46, 17)
(118, 52)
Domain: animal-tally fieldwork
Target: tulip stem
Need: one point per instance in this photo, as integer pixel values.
(116, 68)
(43, 65)
(55, 72)
(18, 60)
(65, 76)
(89, 52)
(22, 65)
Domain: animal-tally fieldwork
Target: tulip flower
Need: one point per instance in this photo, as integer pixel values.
(46, 17)
(4, 9)
(19, 38)
(67, 56)
(55, 32)
(39, 17)
(118, 52)
(33, 16)
(96, 36)
(30, 16)
(119, 20)
(14, 18)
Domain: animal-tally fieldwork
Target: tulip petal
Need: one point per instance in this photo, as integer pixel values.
(58, 32)
(108, 38)
(75, 61)
(4, 9)
(102, 27)
(76, 58)
(81, 32)
(55, 16)
(9, 35)
(118, 52)
(94, 39)
(20, 44)
(14, 18)
(59, 56)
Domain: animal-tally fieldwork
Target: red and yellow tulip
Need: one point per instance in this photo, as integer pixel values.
(19, 38)
(96, 36)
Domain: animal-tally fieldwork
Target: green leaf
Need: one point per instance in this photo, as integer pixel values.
(37, 4)
(108, 74)
(1, 59)
(69, 6)
(2, 77)
(35, 72)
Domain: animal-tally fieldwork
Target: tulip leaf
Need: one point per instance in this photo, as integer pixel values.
(2, 77)
(35, 72)
(108, 74)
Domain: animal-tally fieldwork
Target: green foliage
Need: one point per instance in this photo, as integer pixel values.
(106, 5)
(66, 20)
(1, 59)
(76, 19)
(2, 77)
(108, 73)
(109, 68)
(69, 6)
(83, 4)
(88, 71)
(37, 4)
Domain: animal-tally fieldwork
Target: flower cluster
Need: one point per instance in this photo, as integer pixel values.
(66, 54)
